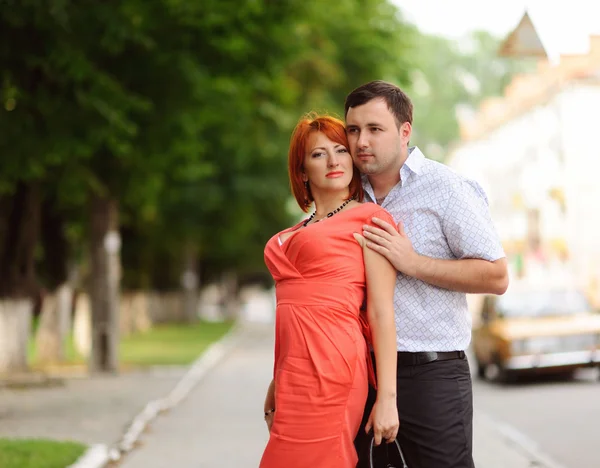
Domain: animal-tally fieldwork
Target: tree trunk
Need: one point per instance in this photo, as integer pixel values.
(15, 328)
(134, 312)
(82, 325)
(55, 318)
(189, 282)
(104, 282)
(230, 292)
(19, 232)
(54, 325)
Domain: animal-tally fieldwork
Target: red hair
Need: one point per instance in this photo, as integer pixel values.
(333, 129)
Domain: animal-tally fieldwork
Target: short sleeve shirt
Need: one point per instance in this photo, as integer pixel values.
(445, 216)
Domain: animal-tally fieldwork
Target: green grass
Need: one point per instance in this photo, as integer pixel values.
(38, 453)
(172, 344)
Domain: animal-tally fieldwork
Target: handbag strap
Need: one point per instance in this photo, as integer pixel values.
(398, 448)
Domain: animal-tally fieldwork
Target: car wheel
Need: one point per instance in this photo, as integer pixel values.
(495, 372)
(480, 370)
(492, 372)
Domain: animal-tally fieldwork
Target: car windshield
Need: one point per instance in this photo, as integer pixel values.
(542, 304)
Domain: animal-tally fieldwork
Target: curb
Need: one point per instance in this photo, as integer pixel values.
(523, 444)
(98, 456)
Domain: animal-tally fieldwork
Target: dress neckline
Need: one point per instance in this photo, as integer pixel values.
(298, 228)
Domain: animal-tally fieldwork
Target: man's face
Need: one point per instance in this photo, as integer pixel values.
(376, 144)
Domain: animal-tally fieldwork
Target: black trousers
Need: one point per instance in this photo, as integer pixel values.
(435, 406)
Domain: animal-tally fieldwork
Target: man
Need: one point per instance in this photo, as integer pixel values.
(445, 246)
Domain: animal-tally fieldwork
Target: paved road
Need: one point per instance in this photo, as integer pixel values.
(562, 418)
(220, 423)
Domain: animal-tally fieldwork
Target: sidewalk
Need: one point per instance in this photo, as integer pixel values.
(92, 410)
(220, 423)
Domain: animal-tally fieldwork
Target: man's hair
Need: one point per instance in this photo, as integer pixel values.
(397, 101)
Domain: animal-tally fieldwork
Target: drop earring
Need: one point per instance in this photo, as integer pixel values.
(306, 200)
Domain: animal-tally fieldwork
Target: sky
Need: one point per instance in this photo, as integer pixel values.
(458, 17)
(563, 24)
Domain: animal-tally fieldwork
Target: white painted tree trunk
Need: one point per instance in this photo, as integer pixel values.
(82, 325)
(15, 328)
(54, 325)
(210, 303)
(190, 296)
(134, 313)
(230, 298)
(189, 283)
(64, 298)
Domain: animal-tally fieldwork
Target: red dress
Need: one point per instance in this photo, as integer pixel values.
(320, 372)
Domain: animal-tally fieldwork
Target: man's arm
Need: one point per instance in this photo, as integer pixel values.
(464, 275)
(470, 275)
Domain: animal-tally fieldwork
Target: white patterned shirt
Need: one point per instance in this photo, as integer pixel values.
(445, 216)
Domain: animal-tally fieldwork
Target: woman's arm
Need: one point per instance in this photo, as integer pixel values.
(381, 281)
(270, 404)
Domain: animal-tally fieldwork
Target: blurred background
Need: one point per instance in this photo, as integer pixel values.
(143, 152)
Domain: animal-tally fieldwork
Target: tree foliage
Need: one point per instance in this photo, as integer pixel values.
(181, 111)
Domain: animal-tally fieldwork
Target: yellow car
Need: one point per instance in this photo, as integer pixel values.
(533, 331)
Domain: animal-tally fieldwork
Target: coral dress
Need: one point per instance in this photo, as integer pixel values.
(320, 372)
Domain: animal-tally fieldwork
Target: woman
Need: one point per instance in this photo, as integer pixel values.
(315, 403)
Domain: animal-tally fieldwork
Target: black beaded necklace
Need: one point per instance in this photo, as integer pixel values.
(329, 215)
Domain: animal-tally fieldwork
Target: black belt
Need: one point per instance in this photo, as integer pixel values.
(406, 358)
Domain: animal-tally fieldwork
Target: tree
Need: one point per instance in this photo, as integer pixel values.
(170, 120)
(236, 194)
(68, 109)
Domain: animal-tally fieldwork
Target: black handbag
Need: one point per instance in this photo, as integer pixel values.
(383, 456)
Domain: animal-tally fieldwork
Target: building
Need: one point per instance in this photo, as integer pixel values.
(535, 151)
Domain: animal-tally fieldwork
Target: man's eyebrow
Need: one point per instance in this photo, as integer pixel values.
(370, 124)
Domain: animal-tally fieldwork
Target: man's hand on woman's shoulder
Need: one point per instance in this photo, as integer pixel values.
(393, 244)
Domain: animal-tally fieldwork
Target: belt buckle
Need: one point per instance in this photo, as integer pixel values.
(427, 357)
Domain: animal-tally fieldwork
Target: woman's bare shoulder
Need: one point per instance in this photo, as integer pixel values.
(369, 209)
(373, 210)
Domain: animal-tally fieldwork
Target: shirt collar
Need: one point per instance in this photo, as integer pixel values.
(415, 160)
(412, 165)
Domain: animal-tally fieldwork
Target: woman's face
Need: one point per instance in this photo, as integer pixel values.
(327, 164)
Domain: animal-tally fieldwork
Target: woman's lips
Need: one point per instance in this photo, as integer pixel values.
(334, 175)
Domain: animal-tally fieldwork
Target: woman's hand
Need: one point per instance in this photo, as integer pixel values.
(269, 407)
(269, 418)
(384, 420)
